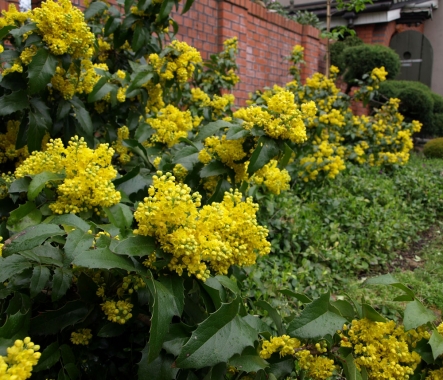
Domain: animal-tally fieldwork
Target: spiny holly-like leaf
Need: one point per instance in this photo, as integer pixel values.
(248, 361)
(316, 321)
(417, 315)
(40, 277)
(219, 337)
(103, 258)
(39, 181)
(436, 343)
(61, 281)
(41, 70)
(163, 309)
(13, 102)
(49, 357)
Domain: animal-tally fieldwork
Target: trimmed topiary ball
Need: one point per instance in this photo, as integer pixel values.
(434, 148)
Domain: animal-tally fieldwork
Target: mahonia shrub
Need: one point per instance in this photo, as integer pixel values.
(128, 199)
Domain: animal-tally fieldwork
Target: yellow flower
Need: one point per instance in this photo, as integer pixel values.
(117, 312)
(20, 359)
(82, 336)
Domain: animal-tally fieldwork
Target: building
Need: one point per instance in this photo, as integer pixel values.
(411, 27)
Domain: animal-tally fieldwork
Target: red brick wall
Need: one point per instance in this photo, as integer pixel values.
(265, 38)
(381, 33)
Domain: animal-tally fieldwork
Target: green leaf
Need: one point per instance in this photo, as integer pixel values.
(39, 182)
(346, 309)
(139, 80)
(184, 152)
(351, 371)
(83, 117)
(69, 220)
(165, 9)
(67, 354)
(39, 279)
(141, 35)
(13, 102)
(16, 326)
(228, 283)
(12, 265)
(100, 90)
(175, 285)
(316, 321)
(217, 338)
(120, 215)
(20, 185)
(288, 152)
(162, 312)
(301, 297)
(265, 151)
(52, 322)
(237, 132)
(63, 109)
(248, 361)
(77, 242)
(103, 258)
(49, 357)
(95, 8)
(61, 281)
(176, 338)
(211, 129)
(436, 343)
(187, 6)
(130, 175)
(275, 316)
(257, 324)
(416, 315)
(212, 169)
(40, 70)
(136, 246)
(370, 313)
(388, 279)
(111, 330)
(5, 30)
(26, 215)
(162, 368)
(40, 122)
(222, 187)
(30, 238)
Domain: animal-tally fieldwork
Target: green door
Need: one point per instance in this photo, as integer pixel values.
(416, 56)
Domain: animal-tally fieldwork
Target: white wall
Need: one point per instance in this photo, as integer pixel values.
(434, 32)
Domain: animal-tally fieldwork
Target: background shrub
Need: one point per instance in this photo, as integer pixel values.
(361, 59)
(434, 148)
(337, 51)
(418, 102)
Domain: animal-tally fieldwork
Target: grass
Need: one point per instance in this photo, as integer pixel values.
(426, 280)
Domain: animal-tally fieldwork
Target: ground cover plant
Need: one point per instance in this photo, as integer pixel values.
(130, 194)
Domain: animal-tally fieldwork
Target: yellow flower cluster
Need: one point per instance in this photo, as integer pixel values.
(155, 101)
(129, 284)
(124, 154)
(8, 152)
(316, 367)
(170, 125)
(200, 97)
(272, 177)
(20, 359)
(179, 64)
(64, 29)
(215, 236)
(228, 151)
(382, 348)
(103, 49)
(89, 173)
(220, 104)
(281, 120)
(1, 247)
(284, 345)
(82, 336)
(13, 17)
(70, 82)
(5, 180)
(379, 74)
(117, 312)
(179, 172)
(435, 374)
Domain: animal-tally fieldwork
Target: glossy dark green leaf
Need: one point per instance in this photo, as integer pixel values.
(61, 282)
(389, 279)
(103, 258)
(165, 10)
(273, 314)
(211, 129)
(370, 313)
(39, 279)
(141, 35)
(213, 168)
(111, 330)
(316, 321)
(83, 117)
(69, 220)
(119, 215)
(257, 324)
(20, 185)
(175, 285)
(187, 6)
(136, 246)
(100, 90)
(416, 315)
(237, 132)
(249, 361)
(13, 102)
(31, 237)
(17, 217)
(265, 151)
(5, 30)
(95, 8)
(162, 312)
(139, 80)
(12, 265)
(131, 174)
(144, 131)
(436, 343)
(39, 182)
(299, 296)
(52, 322)
(41, 70)
(49, 357)
(205, 347)
(175, 339)
(288, 152)
(351, 370)
(36, 131)
(162, 368)
(67, 354)
(77, 242)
